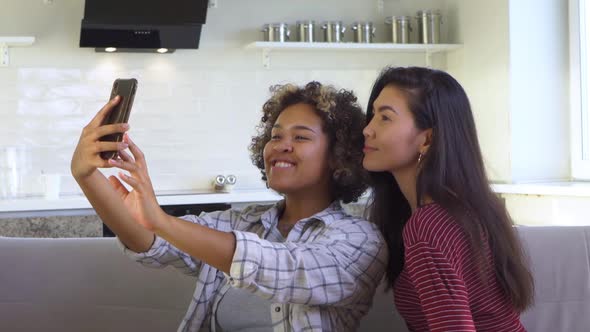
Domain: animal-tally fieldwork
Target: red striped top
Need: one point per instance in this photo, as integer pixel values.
(439, 288)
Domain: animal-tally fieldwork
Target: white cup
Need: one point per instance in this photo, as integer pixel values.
(52, 186)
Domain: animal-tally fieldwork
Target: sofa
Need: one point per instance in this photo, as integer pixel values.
(87, 284)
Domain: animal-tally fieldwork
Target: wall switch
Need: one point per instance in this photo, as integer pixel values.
(212, 3)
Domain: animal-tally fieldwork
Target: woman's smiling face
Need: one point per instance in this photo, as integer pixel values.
(296, 157)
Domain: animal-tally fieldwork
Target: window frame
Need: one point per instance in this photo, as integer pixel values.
(579, 43)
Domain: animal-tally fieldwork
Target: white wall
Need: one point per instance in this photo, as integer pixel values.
(539, 92)
(514, 66)
(482, 67)
(195, 110)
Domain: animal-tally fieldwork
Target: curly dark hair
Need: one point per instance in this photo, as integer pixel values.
(343, 122)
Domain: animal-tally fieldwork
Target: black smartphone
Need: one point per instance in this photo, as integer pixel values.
(126, 89)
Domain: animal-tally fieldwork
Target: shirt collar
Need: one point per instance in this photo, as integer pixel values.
(329, 215)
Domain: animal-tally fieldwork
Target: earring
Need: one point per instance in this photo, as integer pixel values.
(419, 158)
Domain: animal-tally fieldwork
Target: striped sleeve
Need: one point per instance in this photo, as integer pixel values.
(441, 291)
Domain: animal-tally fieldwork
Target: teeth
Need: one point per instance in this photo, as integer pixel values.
(283, 164)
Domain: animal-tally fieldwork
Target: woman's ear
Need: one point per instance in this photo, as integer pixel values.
(426, 140)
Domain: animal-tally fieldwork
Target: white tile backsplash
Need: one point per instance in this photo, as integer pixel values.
(51, 107)
(49, 75)
(192, 129)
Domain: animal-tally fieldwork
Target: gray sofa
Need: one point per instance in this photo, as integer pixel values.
(88, 285)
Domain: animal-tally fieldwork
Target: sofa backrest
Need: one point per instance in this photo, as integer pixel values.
(89, 285)
(560, 262)
(85, 285)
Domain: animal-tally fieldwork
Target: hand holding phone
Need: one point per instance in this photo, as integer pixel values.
(125, 88)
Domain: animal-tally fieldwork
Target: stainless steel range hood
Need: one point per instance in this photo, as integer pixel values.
(142, 25)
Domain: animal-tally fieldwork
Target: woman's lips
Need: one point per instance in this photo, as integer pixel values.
(368, 149)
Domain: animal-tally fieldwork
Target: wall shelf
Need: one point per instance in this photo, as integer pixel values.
(426, 49)
(7, 42)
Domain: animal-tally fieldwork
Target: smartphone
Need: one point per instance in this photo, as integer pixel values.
(125, 88)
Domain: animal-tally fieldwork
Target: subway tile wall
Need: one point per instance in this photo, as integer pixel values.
(191, 127)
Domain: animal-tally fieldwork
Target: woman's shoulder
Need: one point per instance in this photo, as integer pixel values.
(349, 222)
(433, 225)
(351, 216)
(248, 213)
(253, 210)
(338, 221)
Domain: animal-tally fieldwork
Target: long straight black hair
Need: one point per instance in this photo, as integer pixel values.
(452, 173)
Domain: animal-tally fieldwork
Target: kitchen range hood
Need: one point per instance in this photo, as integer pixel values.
(142, 25)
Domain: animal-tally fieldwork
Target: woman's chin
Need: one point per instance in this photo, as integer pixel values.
(279, 186)
(369, 166)
(374, 167)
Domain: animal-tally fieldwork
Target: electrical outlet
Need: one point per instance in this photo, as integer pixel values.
(48, 2)
(212, 3)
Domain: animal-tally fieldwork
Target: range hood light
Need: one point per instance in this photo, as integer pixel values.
(162, 50)
(110, 49)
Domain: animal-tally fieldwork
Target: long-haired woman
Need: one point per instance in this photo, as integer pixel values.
(456, 263)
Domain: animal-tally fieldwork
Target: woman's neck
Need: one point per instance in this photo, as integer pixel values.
(406, 179)
(298, 207)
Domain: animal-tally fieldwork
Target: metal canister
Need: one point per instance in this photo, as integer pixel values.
(364, 32)
(400, 29)
(276, 32)
(429, 22)
(219, 183)
(306, 31)
(333, 31)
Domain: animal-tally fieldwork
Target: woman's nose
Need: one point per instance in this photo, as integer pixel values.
(284, 146)
(367, 131)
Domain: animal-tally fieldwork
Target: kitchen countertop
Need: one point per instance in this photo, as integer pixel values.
(79, 205)
(25, 206)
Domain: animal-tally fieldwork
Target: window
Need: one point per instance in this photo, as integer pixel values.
(580, 88)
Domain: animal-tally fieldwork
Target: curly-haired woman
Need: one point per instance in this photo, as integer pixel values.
(300, 264)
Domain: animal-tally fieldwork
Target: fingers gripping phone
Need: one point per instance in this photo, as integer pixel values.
(125, 88)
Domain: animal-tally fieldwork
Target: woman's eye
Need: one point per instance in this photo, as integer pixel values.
(275, 137)
(301, 138)
(385, 117)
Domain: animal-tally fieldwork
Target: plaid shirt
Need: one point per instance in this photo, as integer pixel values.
(322, 278)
